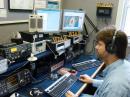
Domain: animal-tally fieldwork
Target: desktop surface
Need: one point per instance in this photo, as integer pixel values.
(48, 81)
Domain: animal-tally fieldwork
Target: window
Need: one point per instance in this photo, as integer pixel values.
(125, 24)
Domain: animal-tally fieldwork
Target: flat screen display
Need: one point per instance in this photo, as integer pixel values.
(73, 20)
(51, 20)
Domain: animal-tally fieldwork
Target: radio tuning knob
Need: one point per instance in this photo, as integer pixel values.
(21, 81)
(23, 52)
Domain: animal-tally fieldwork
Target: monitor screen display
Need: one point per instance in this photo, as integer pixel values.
(51, 20)
(73, 20)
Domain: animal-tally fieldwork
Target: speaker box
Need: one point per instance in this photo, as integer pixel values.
(32, 23)
(35, 23)
(39, 23)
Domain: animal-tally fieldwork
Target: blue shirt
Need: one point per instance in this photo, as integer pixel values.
(116, 82)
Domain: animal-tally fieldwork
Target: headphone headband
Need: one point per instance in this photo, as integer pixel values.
(113, 39)
(111, 48)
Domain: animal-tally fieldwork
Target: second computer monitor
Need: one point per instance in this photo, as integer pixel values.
(51, 20)
(73, 20)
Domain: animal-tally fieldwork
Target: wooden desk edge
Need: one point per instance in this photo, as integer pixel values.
(92, 76)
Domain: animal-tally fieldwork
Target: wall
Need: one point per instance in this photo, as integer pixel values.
(8, 31)
(14, 14)
(89, 6)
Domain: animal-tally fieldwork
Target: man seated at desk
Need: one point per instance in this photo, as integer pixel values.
(111, 48)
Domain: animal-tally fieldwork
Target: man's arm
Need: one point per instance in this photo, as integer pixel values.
(96, 82)
(112, 90)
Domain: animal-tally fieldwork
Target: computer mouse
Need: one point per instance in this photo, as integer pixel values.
(73, 72)
(36, 92)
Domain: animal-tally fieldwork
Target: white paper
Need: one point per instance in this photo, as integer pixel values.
(1, 3)
(3, 13)
(40, 4)
(21, 4)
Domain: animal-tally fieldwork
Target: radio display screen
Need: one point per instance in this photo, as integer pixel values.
(12, 83)
(39, 45)
(13, 50)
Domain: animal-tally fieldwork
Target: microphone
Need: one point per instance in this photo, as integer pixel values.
(32, 58)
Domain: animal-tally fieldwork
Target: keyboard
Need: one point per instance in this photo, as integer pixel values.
(59, 87)
(86, 65)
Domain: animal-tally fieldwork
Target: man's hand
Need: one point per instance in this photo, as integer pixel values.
(70, 94)
(85, 78)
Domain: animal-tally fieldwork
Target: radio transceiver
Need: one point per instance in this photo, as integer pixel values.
(67, 43)
(14, 52)
(38, 47)
(32, 37)
(14, 82)
(76, 39)
(57, 46)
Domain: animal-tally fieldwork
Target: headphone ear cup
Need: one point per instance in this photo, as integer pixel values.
(111, 49)
(108, 48)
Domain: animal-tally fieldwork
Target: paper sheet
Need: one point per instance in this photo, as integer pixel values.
(3, 13)
(1, 3)
(40, 3)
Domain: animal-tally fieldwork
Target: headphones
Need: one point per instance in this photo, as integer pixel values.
(111, 48)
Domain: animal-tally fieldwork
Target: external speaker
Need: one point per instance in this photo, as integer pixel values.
(39, 23)
(35, 23)
(32, 23)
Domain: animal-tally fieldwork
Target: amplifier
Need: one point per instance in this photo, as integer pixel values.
(15, 52)
(57, 63)
(14, 82)
(56, 46)
(67, 43)
(38, 47)
(32, 37)
(76, 39)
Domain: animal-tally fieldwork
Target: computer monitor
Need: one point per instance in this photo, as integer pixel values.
(73, 20)
(51, 20)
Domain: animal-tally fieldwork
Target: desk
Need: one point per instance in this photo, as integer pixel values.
(20, 64)
(77, 88)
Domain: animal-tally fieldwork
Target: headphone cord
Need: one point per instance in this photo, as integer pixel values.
(51, 50)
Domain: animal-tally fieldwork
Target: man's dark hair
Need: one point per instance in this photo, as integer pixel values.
(120, 43)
